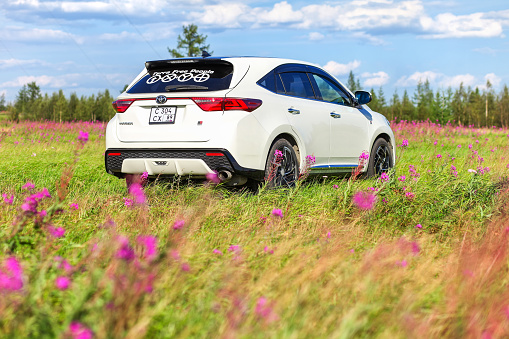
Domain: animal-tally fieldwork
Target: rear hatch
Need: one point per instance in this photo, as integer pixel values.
(162, 106)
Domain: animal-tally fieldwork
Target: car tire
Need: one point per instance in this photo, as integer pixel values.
(282, 171)
(381, 159)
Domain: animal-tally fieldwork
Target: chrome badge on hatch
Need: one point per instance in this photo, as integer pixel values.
(161, 99)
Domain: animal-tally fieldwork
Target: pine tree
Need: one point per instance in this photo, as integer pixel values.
(190, 44)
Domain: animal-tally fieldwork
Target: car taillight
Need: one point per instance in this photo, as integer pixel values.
(227, 104)
(122, 105)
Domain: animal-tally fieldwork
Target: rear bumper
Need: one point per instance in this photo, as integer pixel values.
(189, 162)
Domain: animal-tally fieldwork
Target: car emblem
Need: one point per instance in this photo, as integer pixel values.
(161, 99)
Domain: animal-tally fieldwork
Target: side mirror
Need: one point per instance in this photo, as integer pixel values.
(363, 97)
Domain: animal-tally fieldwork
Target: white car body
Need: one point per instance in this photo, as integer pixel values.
(237, 142)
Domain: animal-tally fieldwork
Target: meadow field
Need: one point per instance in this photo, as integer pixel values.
(419, 253)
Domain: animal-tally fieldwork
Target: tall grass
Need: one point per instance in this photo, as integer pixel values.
(428, 259)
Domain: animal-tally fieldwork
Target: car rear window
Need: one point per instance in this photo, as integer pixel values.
(184, 75)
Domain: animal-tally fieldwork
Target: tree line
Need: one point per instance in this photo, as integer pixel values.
(463, 105)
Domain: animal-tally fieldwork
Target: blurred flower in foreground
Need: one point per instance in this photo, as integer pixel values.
(125, 251)
(128, 202)
(277, 212)
(178, 224)
(83, 137)
(212, 177)
(404, 143)
(265, 311)
(8, 200)
(62, 283)
(74, 206)
(80, 331)
(137, 192)
(364, 200)
(149, 242)
(57, 232)
(418, 226)
(28, 186)
(11, 275)
(384, 177)
(216, 251)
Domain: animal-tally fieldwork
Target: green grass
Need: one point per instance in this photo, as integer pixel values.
(326, 269)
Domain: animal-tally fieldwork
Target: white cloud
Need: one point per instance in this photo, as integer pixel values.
(340, 69)
(36, 35)
(315, 36)
(445, 81)
(375, 79)
(12, 63)
(414, 79)
(223, 15)
(447, 25)
(42, 80)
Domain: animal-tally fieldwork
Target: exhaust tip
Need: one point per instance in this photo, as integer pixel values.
(224, 175)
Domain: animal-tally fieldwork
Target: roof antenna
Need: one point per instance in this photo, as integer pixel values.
(204, 54)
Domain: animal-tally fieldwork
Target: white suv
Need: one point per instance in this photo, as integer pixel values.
(244, 118)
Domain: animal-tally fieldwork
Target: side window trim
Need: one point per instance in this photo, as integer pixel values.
(339, 87)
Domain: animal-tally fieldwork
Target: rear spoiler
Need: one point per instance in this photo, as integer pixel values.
(199, 63)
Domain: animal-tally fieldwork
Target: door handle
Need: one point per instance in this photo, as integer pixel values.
(293, 111)
(335, 115)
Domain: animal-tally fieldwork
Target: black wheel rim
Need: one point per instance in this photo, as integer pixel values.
(382, 160)
(286, 170)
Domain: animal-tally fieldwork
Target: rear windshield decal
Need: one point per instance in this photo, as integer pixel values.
(197, 75)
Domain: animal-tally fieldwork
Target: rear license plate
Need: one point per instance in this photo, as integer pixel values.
(162, 115)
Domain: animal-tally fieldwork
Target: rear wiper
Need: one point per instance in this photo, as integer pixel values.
(170, 88)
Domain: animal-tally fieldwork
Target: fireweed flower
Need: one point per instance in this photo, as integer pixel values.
(364, 200)
(277, 212)
(178, 224)
(234, 248)
(185, 267)
(439, 156)
(144, 176)
(128, 202)
(28, 186)
(364, 156)
(402, 178)
(149, 242)
(410, 195)
(74, 206)
(11, 275)
(80, 331)
(415, 248)
(83, 137)
(216, 251)
(212, 177)
(418, 226)
(124, 251)
(336, 186)
(266, 249)
(264, 310)
(310, 159)
(62, 283)
(57, 232)
(404, 143)
(8, 200)
(137, 192)
(384, 177)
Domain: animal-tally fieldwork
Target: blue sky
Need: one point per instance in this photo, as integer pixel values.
(86, 46)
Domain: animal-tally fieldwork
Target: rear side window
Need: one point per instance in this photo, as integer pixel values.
(272, 82)
(297, 85)
(179, 75)
(328, 91)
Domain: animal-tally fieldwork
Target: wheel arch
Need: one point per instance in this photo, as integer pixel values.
(292, 140)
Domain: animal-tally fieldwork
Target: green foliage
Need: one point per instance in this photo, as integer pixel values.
(190, 44)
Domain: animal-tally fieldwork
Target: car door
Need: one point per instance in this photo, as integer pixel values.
(348, 125)
(310, 124)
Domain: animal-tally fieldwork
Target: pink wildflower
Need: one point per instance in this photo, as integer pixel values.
(11, 275)
(144, 176)
(128, 202)
(74, 206)
(28, 186)
(384, 177)
(418, 226)
(439, 156)
(310, 159)
(83, 137)
(62, 283)
(336, 186)
(57, 232)
(216, 251)
(137, 192)
(149, 242)
(277, 212)
(175, 255)
(80, 331)
(124, 251)
(470, 146)
(402, 178)
(234, 248)
(402, 263)
(404, 143)
(364, 200)
(266, 249)
(410, 195)
(212, 177)
(264, 310)
(178, 224)
(364, 156)
(185, 267)
(8, 200)
(415, 248)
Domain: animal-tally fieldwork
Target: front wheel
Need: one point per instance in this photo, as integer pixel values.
(380, 160)
(282, 167)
